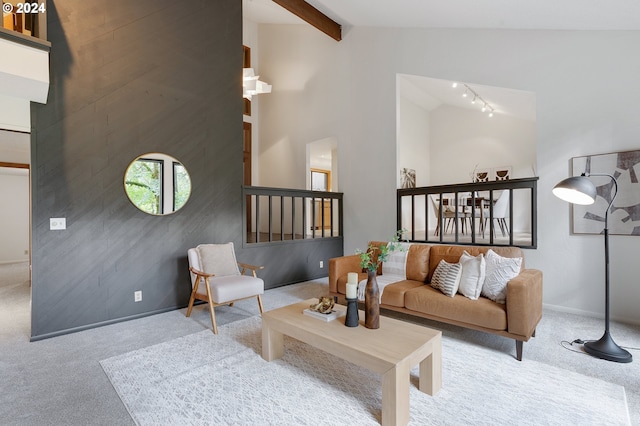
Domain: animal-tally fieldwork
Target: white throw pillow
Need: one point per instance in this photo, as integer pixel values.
(446, 277)
(219, 259)
(473, 275)
(500, 270)
(396, 263)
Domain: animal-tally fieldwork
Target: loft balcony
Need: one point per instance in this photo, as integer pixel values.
(24, 68)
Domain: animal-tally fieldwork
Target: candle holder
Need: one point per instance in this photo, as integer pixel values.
(352, 318)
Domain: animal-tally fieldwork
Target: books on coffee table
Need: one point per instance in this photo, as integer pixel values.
(324, 317)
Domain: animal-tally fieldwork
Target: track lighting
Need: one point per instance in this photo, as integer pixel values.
(476, 98)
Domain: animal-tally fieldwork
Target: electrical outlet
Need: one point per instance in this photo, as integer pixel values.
(137, 296)
(57, 223)
(321, 264)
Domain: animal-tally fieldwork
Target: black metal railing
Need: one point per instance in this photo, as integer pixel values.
(280, 215)
(448, 213)
(25, 23)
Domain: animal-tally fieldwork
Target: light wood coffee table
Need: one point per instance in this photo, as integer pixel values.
(391, 351)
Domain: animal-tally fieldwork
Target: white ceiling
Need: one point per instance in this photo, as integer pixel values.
(430, 93)
(488, 14)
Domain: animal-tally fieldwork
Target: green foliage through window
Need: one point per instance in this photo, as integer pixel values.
(144, 185)
(181, 186)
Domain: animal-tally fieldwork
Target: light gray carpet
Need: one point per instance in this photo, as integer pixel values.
(202, 379)
(59, 381)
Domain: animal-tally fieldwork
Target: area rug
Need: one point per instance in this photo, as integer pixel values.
(207, 379)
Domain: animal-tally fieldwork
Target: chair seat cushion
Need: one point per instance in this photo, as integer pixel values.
(233, 287)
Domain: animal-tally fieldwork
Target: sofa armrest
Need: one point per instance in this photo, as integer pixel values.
(341, 266)
(524, 302)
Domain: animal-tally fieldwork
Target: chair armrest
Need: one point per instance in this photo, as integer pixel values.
(341, 266)
(246, 266)
(524, 302)
(200, 273)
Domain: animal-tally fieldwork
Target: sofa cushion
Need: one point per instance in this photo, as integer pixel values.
(482, 312)
(418, 262)
(473, 274)
(393, 294)
(500, 270)
(452, 253)
(446, 278)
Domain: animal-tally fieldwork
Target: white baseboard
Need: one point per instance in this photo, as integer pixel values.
(4, 262)
(590, 314)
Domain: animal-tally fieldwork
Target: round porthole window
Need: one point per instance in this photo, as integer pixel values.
(157, 183)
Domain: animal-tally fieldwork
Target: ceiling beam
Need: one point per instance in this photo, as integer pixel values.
(14, 165)
(313, 16)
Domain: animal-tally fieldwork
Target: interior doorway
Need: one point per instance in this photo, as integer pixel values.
(322, 176)
(15, 227)
(246, 167)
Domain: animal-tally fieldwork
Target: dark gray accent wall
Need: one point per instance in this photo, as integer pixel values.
(127, 78)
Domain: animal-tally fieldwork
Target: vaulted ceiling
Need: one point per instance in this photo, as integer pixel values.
(489, 14)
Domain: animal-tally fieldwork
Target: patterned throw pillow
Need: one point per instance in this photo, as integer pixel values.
(500, 270)
(473, 274)
(446, 277)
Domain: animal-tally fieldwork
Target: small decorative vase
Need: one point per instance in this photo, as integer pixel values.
(372, 302)
(352, 313)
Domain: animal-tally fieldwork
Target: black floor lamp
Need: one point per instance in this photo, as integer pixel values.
(580, 190)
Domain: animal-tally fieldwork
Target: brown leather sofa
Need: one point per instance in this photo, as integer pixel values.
(517, 318)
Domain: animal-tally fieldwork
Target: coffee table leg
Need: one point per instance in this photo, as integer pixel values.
(395, 395)
(272, 343)
(431, 371)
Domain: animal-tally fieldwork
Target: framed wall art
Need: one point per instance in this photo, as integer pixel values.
(501, 173)
(407, 178)
(624, 217)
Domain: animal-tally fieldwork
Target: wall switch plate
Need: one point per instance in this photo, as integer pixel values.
(321, 264)
(57, 223)
(137, 296)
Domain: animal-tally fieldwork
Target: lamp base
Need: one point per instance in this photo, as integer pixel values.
(606, 348)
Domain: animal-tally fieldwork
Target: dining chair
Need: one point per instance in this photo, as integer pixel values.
(449, 214)
(217, 279)
(501, 212)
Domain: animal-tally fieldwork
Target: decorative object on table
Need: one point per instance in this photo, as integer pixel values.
(352, 300)
(371, 260)
(501, 173)
(324, 305)
(581, 190)
(372, 302)
(323, 310)
(352, 319)
(407, 178)
(324, 316)
(625, 212)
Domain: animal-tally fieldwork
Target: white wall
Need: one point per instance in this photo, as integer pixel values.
(413, 141)
(587, 99)
(462, 139)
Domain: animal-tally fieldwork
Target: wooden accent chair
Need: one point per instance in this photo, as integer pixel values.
(217, 280)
